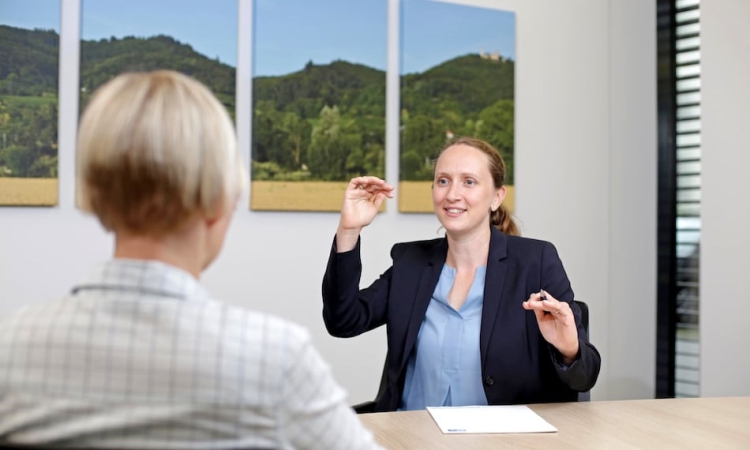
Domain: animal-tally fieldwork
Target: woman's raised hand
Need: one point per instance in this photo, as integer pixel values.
(362, 200)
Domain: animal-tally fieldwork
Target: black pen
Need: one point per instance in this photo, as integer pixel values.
(543, 297)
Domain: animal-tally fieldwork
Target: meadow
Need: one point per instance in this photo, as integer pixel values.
(414, 196)
(28, 191)
(297, 195)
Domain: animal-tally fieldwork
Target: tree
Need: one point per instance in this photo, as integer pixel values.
(332, 142)
(297, 137)
(495, 125)
(265, 131)
(18, 160)
(421, 138)
(10, 86)
(411, 164)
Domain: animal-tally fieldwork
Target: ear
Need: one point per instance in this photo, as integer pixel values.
(215, 229)
(219, 218)
(211, 220)
(498, 199)
(222, 215)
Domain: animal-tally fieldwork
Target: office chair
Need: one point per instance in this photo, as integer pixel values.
(369, 406)
(584, 396)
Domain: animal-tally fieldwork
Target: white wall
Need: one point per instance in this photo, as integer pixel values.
(585, 93)
(631, 316)
(725, 240)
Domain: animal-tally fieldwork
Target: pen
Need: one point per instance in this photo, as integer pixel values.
(543, 297)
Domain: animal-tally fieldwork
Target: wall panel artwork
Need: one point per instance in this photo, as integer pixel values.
(457, 79)
(318, 100)
(195, 37)
(29, 59)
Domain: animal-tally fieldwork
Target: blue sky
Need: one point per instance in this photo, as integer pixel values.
(31, 14)
(288, 33)
(209, 26)
(433, 32)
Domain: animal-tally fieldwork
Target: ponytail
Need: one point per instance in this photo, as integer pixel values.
(503, 221)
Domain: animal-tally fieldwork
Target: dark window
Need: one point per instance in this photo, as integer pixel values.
(679, 197)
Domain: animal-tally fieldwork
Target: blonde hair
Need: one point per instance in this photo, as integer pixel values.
(501, 217)
(154, 149)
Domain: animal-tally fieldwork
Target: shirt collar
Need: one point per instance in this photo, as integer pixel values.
(143, 277)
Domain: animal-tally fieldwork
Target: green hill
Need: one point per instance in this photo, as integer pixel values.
(102, 60)
(466, 85)
(326, 121)
(29, 61)
(352, 87)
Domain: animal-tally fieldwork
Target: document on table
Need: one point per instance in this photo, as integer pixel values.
(489, 419)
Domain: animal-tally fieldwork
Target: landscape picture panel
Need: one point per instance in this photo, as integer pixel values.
(194, 37)
(457, 79)
(318, 100)
(29, 61)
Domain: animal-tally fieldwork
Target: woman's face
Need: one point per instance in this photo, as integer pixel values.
(463, 192)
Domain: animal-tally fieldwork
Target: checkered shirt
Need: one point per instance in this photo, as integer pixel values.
(140, 356)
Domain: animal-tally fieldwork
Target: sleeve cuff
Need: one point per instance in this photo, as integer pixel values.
(557, 359)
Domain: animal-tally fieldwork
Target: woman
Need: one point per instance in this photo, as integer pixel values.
(468, 321)
(139, 355)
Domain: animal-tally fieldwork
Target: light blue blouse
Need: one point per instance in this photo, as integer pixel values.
(445, 368)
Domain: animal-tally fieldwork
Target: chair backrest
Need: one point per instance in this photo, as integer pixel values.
(584, 315)
(584, 396)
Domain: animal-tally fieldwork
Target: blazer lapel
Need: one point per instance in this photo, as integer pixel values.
(427, 281)
(493, 288)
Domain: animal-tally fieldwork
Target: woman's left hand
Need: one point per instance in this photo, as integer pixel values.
(556, 322)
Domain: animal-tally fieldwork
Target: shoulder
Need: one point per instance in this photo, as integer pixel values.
(524, 248)
(525, 243)
(264, 340)
(416, 249)
(267, 328)
(41, 315)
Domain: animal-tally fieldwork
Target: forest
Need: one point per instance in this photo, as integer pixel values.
(29, 86)
(28, 103)
(325, 122)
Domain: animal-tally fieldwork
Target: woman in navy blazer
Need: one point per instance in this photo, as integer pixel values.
(530, 349)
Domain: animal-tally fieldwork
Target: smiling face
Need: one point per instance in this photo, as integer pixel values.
(463, 191)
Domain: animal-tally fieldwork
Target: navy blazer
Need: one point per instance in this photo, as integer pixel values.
(518, 365)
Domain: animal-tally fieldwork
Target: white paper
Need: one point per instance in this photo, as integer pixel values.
(489, 419)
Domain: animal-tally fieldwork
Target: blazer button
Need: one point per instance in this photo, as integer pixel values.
(489, 381)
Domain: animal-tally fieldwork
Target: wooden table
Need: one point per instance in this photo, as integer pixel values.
(700, 423)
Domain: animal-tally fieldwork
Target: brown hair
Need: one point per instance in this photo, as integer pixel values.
(500, 218)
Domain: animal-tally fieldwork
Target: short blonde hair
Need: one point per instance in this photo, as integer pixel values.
(154, 149)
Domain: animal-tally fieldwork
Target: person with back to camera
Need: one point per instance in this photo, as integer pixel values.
(139, 355)
(466, 323)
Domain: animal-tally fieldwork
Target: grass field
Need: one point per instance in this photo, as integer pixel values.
(28, 191)
(416, 197)
(297, 195)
